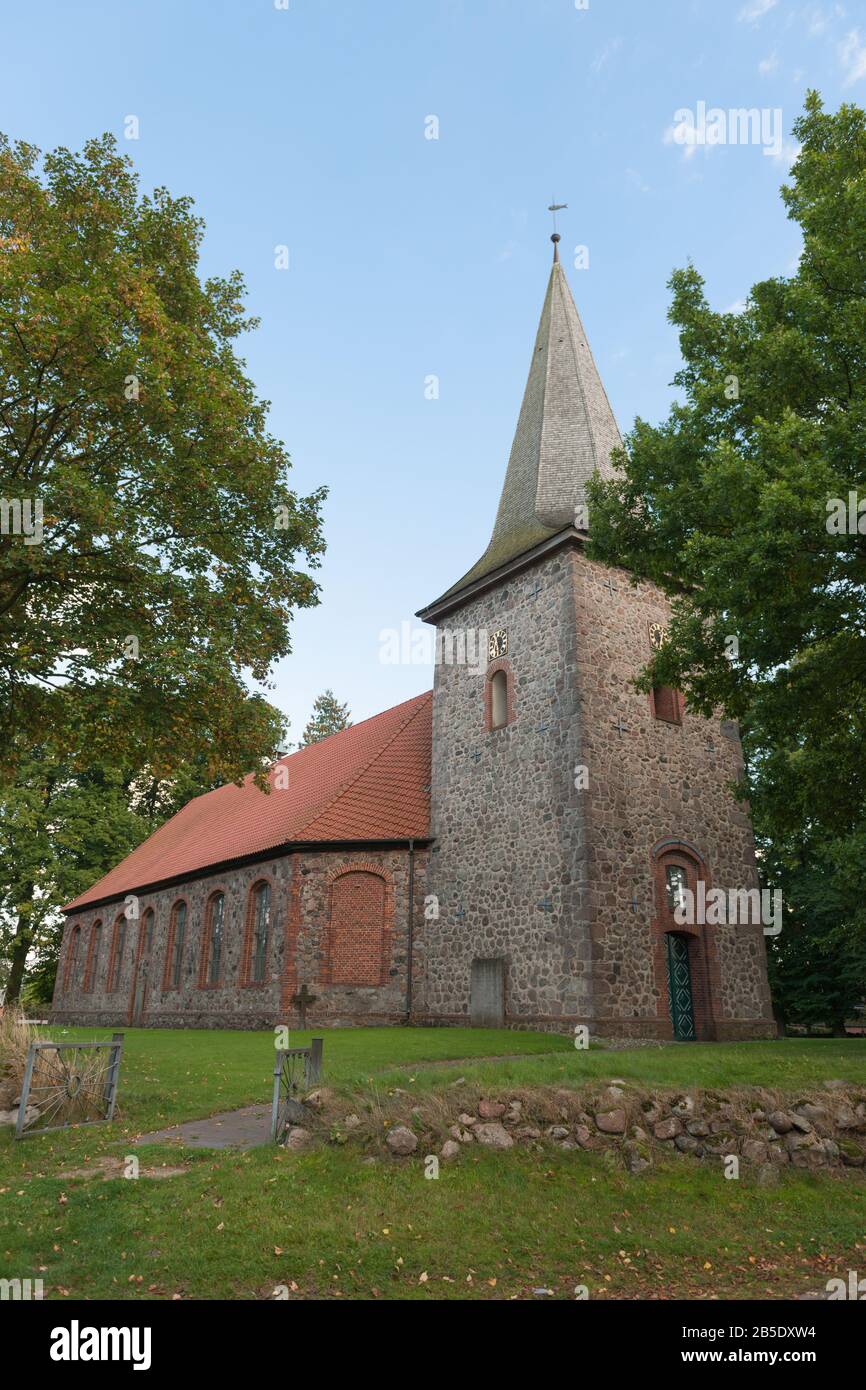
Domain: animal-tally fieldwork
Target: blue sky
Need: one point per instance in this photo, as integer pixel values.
(411, 257)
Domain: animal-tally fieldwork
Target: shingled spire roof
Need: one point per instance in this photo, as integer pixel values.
(566, 430)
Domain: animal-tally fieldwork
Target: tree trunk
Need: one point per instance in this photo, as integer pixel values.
(20, 947)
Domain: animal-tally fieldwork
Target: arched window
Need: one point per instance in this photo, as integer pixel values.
(93, 957)
(117, 948)
(498, 700)
(498, 696)
(258, 930)
(72, 959)
(175, 946)
(212, 956)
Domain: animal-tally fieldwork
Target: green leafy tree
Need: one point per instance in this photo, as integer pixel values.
(328, 717)
(151, 551)
(731, 507)
(817, 965)
(61, 829)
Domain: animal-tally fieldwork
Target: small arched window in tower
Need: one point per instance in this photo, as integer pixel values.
(667, 704)
(499, 699)
(676, 884)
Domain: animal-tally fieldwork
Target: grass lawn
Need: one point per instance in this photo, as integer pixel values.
(492, 1226)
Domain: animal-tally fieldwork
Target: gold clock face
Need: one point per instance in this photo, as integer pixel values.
(657, 635)
(497, 644)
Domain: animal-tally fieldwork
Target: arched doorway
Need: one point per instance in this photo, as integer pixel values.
(685, 953)
(680, 996)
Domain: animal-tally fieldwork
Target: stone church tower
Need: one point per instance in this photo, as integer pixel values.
(569, 811)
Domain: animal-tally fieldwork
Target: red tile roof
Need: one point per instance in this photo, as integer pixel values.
(369, 782)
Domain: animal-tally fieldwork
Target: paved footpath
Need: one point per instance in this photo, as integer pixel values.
(236, 1129)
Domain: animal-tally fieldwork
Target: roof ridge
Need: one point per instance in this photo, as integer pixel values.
(419, 701)
(302, 748)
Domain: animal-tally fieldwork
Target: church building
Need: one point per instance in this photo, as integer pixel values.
(510, 849)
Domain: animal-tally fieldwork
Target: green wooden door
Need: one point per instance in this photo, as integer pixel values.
(680, 988)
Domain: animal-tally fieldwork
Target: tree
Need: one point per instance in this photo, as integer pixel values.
(817, 965)
(732, 507)
(328, 717)
(61, 829)
(149, 542)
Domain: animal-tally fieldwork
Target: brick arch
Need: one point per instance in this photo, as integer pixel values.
(700, 938)
(501, 663)
(359, 925)
(205, 937)
(248, 943)
(171, 938)
(115, 962)
(94, 951)
(73, 948)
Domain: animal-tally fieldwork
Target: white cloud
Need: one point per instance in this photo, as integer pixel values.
(754, 10)
(737, 307)
(769, 64)
(852, 55)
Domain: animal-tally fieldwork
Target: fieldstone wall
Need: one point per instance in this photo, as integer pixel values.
(546, 828)
(650, 783)
(300, 950)
(510, 861)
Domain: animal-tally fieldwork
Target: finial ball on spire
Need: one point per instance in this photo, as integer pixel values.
(556, 207)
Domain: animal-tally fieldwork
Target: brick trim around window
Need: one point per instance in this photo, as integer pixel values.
(246, 980)
(92, 965)
(205, 941)
(704, 968)
(112, 981)
(502, 663)
(666, 704)
(73, 946)
(168, 963)
(378, 974)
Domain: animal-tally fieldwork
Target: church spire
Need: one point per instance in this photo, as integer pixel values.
(566, 430)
